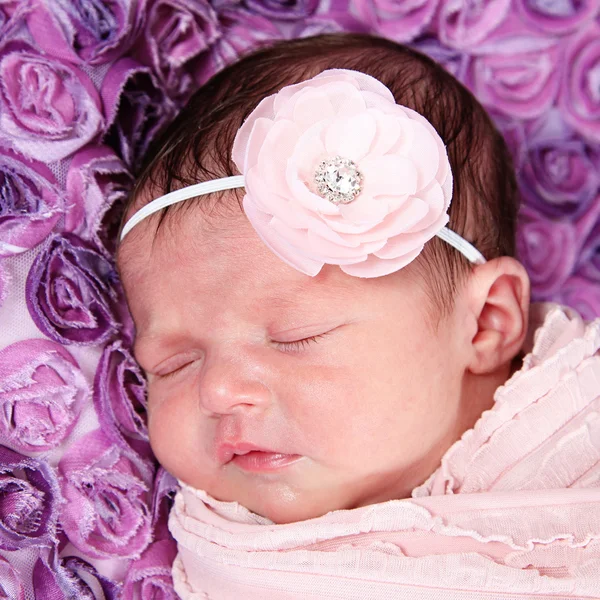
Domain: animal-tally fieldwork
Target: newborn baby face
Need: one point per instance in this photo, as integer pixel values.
(291, 395)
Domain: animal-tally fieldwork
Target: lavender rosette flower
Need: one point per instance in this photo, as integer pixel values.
(561, 173)
(120, 398)
(29, 498)
(42, 391)
(176, 37)
(137, 109)
(4, 283)
(590, 253)
(548, 249)
(87, 31)
(400, 21)
(98, 184)
(291, 10)
(582, 294)
(515, 82)
(85, 581)
(106, 488)
(323, 23)
(48, 107)
(557, 18)
(454, 61)
(465, 25)
(150, 576)
(30, 204)
(580, 96)
(11, 584)
(72, 292)
(242, 31)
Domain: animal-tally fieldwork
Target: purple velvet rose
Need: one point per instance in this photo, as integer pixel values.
(29, 498)
(138, 108)
(86, 31)
(466, 24)
(11, 586)
(72, 292)
(30, 204)
(176, 37)
(580, 96)
(107, 493)
(98, 184)
(581, 294)
(149, 577)
(120, 398)
(86, 583)
(48, 108)
(243, 31)
(42, 391)
(288, 10)
(519, 84)
(561, 17)
(548, 249)
(400, 21)
(561, 174)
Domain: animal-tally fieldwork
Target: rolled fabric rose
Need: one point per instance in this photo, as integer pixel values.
(581, 293)
(561, 173)
(590, 253)
(165, 488)
(11, 583)
(325, 22)
(241, 32)
(286, 11)
(580, 90)
(29, 499)
(177, 35)
(84, 31)
(137, 108)
(548, 249)
(72, 292)
(391, 159)
(42, 391)
(120, 398)
(106, 488)
(557, 18)
(150, 576)
(454, 61)
(465, 25)
(400, 21)
(517, 83)
(48, 107)
(30, 203)
(86, 582)
(98, 184)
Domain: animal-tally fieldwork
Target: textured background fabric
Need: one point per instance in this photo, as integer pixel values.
(84, 87)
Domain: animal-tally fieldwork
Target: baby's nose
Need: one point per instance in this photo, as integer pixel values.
(228, 385)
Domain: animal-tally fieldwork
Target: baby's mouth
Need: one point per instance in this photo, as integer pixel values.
(255, 459)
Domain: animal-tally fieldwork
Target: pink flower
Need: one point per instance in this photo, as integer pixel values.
(406, 183)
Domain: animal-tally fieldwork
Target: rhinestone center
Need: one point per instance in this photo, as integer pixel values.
(338, 180)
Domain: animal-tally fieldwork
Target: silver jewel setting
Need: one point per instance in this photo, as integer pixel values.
(338, 180)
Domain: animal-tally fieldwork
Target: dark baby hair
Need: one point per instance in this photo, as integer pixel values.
(197, 145)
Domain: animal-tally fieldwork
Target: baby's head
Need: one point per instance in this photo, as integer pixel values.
(310, 384)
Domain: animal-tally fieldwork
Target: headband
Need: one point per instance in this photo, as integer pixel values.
(337, 173)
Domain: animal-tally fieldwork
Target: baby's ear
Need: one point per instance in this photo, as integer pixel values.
(498, 293)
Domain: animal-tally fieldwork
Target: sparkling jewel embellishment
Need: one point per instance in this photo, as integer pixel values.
(338, 180)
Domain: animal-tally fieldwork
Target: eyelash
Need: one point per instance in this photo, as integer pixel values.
(297, 345)
(294, 346)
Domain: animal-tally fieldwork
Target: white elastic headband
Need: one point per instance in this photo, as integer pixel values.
(237, 181)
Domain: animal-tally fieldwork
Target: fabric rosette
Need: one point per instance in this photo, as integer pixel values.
(120, 397)
(72, 292)
(92, 32)
(294, 137)
(30, 204)
(11, 582)
(107, 512)
(48, 107)
(42, 391)
(29, 499)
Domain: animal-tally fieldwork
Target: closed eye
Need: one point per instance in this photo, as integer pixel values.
(298, 345)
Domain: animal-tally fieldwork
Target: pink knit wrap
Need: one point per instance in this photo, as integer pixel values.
(512, 511)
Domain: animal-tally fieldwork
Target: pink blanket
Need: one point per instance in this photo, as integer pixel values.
(512, 511)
